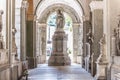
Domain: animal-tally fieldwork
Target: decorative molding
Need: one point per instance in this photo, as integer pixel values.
(76, 24)
(42, 24)
(85, 18)
(96, 5)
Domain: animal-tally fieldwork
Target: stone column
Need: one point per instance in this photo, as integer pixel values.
(24, 6)
(42, 35)
(31, 36)
(37, 42)
(14, 47)
(9, 29)
(97, 29)
(87, 58)
(80, 44)
(10, 36)
(23, 9)
(76, 44)
(86, 25)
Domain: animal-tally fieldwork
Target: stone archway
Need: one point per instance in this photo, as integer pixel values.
(76, 13)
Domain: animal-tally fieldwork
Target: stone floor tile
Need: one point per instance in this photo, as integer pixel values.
(45, 72)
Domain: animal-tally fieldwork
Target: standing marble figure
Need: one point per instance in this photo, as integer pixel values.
(60, 21)
(59, 56)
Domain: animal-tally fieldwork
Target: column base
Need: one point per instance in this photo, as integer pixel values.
(5, 72)
(93, 68)
(43, 59)
(101, 71)
(32, 62)
(59, 60)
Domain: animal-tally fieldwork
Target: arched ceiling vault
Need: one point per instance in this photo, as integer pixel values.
(71, 7)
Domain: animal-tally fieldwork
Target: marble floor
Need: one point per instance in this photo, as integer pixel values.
(45, 72)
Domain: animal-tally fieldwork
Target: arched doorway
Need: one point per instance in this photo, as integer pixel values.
(75, 12)
(51, 26)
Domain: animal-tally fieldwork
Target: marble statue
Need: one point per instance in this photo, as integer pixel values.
(60, 21)
(1, 12)
(59, 56)
(1, 37)
(102, 42)
(13, 38)
(102, 56)
(116, 41)
(90, 36)
(102, 61)
(3, 50)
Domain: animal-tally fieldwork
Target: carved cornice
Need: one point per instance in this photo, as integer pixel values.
(96, 5)
(42, 24)
(76, 24)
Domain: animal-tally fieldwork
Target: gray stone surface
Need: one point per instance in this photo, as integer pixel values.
(97, 25)
(5, 74)
(73, 72)
(59, 56)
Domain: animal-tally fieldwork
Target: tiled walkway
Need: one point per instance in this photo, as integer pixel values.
(45, 72)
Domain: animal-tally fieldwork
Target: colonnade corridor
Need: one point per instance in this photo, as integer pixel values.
(45, 72)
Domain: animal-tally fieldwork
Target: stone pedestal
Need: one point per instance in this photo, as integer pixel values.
(5, 72)
(102, 62)
(117, 76)
(115, 68)
(59, 56)
(101, 71)
(3, 56)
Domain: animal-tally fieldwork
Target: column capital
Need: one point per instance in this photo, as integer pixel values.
(96, 5)
(85, 18)
(42, 24)
(24, 4)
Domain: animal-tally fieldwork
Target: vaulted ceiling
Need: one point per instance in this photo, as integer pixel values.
(75, 8)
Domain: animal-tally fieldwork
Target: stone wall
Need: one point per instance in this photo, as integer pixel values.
(111, 10)
(5, 73)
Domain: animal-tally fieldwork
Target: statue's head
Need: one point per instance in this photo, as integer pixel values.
(59, 11)
(1, 12)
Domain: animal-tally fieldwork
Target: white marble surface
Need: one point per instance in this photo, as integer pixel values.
(45, 72)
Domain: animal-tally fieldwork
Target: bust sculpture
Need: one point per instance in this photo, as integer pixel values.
(60, 21)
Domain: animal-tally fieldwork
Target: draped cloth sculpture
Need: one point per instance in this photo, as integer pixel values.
(3, 50)
(59, 56)
(60, 21)
(116, 41)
